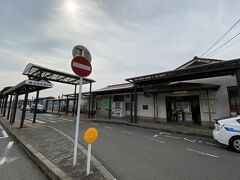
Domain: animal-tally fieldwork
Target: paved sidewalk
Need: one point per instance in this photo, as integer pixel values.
(52, 150)
(162, 126)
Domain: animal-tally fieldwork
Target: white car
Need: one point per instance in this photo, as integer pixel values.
(227, 131)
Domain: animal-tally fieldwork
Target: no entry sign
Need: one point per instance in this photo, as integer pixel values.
(81, 66)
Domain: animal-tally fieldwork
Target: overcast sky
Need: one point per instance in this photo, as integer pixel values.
(126, 38)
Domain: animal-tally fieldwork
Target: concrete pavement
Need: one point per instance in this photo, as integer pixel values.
(53, 152)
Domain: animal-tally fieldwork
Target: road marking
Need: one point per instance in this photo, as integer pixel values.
(192, 141)
(4, 133)
(212, 144)
(174, 137)
(157, 140)
(163, 133)
(59, 120)
(41, 122)
(94, 124)
(200, 141)
(52, 121)
(4, 154)
(155, 135)
(203, 153)
(127, 132)
(50, 118)
(65, 119)
(108, 127)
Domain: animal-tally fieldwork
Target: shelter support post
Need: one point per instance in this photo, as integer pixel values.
(89, 100)
(59, 104)
(110, 106)
(24, 108)
(1, 100)
(67, 106)
(13, 114)
(5, 106)
(35, 107)
(209, 107)
(131, 108)
(2, 105)
(74, 100)
(135, 103)
(53, 105)
(9, 106)
(93, 100)
(46, 105)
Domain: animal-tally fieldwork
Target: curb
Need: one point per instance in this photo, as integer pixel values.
(102, 169)
(156, 128)
(50, 169)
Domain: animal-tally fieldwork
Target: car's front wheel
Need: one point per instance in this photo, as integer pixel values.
(235, 144)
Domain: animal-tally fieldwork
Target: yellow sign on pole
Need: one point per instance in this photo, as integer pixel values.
(90, 135)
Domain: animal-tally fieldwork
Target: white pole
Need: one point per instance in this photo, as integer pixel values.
(89, 158)
(77, 123)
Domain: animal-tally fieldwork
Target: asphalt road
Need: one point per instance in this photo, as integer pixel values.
(136, 153)
(14, 163)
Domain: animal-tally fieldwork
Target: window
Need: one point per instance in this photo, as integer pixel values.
(234, 102)
(145, 107)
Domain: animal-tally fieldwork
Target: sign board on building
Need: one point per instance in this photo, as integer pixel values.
(39, 83)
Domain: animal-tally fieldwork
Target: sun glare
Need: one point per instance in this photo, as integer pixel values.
(71, 6)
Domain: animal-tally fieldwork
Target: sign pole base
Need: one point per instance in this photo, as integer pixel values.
(89, 158)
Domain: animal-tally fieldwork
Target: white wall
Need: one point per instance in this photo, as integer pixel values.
(221, 100)
(145, 100)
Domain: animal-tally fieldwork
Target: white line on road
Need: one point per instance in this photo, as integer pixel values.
(4, 154)
(108, 127)
(174, 137)
(94, 124)
(203, 153)
(4, 133)
(127, 132)
(155, 135)
(192, 141)
(212, 144)
(41, 122)
(163, 133)
(157, 140)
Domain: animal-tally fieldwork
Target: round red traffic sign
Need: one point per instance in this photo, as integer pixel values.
(81, 66)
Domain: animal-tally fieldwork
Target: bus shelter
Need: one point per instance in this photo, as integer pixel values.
(24, 88)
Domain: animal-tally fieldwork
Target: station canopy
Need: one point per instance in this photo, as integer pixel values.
(37, 72)
(28, 86)
(3, 90)
(221, 68)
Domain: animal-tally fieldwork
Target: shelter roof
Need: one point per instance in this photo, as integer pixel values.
(34, 71)
(221, 68)
(180, 87)
(28, 86)
(115, 88)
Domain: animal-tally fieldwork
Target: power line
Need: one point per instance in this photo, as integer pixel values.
(225, 48)
(224, 44)
(215, 43)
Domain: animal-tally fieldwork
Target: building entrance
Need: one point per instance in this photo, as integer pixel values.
(183, 109)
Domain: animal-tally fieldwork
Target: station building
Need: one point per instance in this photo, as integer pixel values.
(197, 92)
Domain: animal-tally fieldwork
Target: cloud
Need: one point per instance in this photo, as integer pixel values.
(126, 39)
